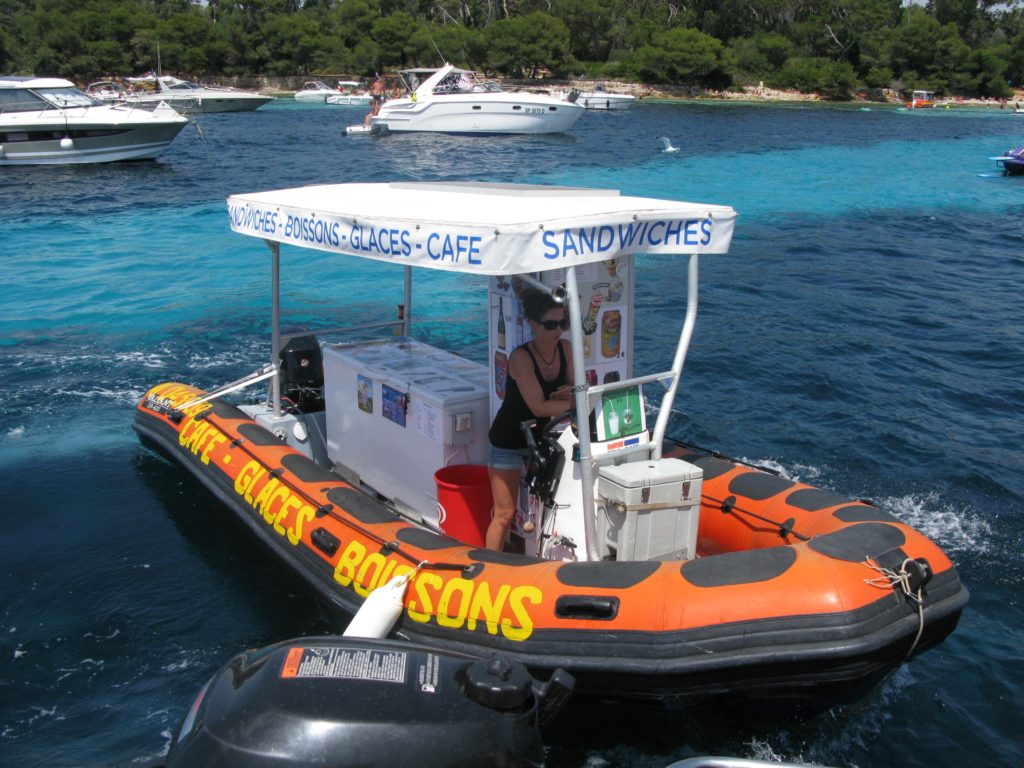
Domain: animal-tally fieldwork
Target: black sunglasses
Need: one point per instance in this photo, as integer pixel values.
(550, 325)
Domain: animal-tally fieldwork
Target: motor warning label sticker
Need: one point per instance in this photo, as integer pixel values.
(346, 664)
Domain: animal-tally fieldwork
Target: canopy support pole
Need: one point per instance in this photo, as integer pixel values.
(275, 323)
(407, 327)
(556, 292)
(582, 415)
(677, 364)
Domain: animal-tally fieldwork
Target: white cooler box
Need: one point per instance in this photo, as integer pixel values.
(651, 509)
(398, 410)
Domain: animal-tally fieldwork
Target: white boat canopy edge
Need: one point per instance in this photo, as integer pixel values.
(477, 227)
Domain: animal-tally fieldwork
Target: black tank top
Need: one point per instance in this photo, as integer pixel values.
(505, 431)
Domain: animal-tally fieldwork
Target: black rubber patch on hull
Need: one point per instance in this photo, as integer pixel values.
(857, 513)
(815, 499)
(307, 470)
(733, 568)
(257, 435)
(759, 485)
(360, 506)
(859, 542)
(228, 411)
(425, 539)
(606, 575)
(503, 558)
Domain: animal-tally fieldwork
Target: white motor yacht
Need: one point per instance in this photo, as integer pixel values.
(602, 98)
(45, 120)
(192, 99)
(348, 95)
(452, 100)
(108, 91)
(315, 91)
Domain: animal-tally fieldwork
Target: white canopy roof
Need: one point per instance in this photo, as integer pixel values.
(481, 228)
(34, 82)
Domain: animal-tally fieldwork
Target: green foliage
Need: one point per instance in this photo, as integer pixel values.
(684, 56)
(963, 47)
(522, 45)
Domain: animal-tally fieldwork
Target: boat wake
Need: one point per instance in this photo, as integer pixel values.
(956, 530)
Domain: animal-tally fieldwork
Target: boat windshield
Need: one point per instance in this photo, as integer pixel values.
(460, 81)
(180, 85)
(25, 100)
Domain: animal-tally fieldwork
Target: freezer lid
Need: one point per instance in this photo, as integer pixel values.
(430, 374)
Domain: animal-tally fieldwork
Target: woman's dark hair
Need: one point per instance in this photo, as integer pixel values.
(537, 303)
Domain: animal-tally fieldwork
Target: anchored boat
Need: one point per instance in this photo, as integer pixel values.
(1011, 161)
(452, 100)
(645, 568)
(48, 121)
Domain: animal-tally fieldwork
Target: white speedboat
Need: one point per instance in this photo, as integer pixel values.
(348, 95)
(315, 91)
(45, 120)
(452, 100)
(190, 98)
(108, 91)
(602, 98)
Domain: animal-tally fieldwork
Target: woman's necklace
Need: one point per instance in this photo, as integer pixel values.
(547, 363)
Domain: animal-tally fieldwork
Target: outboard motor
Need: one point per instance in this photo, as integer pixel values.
(330, 701)
(302, 374)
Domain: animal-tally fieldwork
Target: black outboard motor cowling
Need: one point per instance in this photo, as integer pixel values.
(302, 373)
(330, 701)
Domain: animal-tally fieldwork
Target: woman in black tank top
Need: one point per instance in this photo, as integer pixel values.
(538, 386)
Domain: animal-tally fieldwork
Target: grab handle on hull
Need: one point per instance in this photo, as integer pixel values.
(590, 607)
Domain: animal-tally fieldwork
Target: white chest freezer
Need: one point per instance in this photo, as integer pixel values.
(398, 410)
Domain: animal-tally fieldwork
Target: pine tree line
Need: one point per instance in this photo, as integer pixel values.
(833, 47)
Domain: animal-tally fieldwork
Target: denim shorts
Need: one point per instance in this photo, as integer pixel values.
(506, 458)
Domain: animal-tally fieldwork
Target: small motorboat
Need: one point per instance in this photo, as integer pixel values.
(601, 98)
(192, 98)
(315, 91)
(1011, 161)
(453, 100)
(921, 100)
(349, 95)
(646, 568)
(48, 121)
(108, 91)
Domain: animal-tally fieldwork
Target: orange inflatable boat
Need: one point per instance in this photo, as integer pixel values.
(796, 594)
(646, 569)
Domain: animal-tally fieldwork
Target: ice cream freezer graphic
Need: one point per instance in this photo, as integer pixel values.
(402, 403)
(606, 301)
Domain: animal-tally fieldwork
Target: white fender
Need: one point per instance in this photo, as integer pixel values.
(381, 609)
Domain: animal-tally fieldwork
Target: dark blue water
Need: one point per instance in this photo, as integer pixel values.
(865, 334)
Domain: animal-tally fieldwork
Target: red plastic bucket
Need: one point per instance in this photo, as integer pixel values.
(464, 502)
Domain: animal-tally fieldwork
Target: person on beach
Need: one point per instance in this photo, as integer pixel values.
(376, 99)
(537, 387)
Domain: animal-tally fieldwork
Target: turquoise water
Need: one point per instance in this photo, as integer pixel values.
(863, 335)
